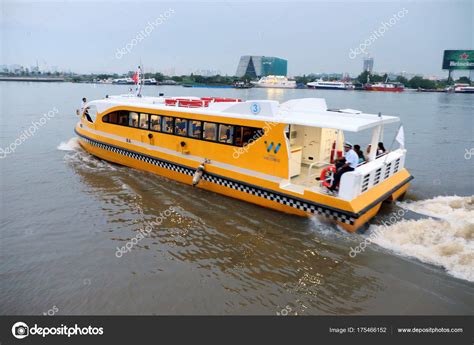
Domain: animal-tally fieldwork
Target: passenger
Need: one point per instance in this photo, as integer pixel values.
(359, 153)
(350, 163)
(381, 149)
(84, 110)
(83, 104)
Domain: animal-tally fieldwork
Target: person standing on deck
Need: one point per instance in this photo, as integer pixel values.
(83, 104)
(351, 161)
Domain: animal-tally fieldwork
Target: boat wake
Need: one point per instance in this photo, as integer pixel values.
(78, 157)
(447, 241)
(70, 145)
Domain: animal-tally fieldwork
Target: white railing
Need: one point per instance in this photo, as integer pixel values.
(371, 174)
(310, 176)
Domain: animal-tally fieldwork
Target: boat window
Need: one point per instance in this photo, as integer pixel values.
(250, 134)
(195, 129)
(116, 117)
(167, 125)
(238, 135)
(123, 118)
(110, 118)
(143, 121)
(210, 131)
(133, 119)
(155, 123)
(180, 127)
(226, 134)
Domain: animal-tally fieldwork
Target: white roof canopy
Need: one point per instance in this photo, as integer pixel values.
(306, 111)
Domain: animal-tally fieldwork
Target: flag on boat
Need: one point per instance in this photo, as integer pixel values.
(136, 76)
(401, 137)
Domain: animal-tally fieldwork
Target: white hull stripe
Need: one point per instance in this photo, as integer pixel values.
(339, 215)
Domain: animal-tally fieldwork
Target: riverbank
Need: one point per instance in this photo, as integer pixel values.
(34, 79)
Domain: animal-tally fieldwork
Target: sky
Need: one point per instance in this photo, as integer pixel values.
(93, 36)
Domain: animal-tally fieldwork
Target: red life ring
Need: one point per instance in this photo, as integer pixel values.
(327, 176)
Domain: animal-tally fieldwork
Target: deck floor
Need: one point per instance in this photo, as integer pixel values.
(311, 183)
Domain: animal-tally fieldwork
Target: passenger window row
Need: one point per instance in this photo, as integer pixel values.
(203, 130)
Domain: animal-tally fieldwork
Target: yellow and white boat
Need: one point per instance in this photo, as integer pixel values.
(259, 151)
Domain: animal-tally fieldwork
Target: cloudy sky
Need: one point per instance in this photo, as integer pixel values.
(313, 36)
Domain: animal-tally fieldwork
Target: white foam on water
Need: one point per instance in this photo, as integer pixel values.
(70, 145)
(447, 241)
(79, 157)
(327, 228)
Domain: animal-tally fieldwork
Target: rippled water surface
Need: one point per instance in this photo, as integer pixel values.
(64, 213)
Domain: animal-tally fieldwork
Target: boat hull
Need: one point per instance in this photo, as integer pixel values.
(264, 86)
(384, 89)
(350, 214)
(328, 88)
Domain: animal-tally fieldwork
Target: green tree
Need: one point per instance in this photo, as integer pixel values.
(402, 80)
(419, 82)
(464, 80)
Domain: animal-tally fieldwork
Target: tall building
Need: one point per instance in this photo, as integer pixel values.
(368, 64)
(259, 66)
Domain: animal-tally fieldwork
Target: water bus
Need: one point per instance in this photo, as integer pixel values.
(275, 81)
(278, 156)
(330, 85)
(460, 88)
(387, 87)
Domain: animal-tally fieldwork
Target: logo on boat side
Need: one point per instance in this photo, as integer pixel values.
(270, 147)
(255, 108)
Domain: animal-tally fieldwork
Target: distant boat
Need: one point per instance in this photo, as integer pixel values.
(209, 86)
(387, 87)
(330, 85)
(150, 81)
(167, 82)
(242, 85)
(460, 88)
(123, 81)
(275, 81)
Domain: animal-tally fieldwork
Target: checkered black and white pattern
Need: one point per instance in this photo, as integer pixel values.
(222, 181)
(148, 159)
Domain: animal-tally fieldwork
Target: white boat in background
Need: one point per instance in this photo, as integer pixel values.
(330, 85)
(123, 81)
(149, 81)
(275, 81)
(460, 88)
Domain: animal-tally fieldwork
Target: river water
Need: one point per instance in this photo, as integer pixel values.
(64, 213)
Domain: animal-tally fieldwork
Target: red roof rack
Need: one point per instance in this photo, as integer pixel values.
(198, 103)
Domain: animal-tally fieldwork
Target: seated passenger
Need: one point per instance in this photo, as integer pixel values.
(350, 163)
(359, 153)
(381, 149)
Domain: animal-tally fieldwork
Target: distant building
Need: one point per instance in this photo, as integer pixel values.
(207, 72)
(368, 64)
(259, 66)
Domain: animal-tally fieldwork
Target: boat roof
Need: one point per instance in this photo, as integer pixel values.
(311, 112)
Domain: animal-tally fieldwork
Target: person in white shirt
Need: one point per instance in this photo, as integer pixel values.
(84, 110)
(351, 160)
(83, 104)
